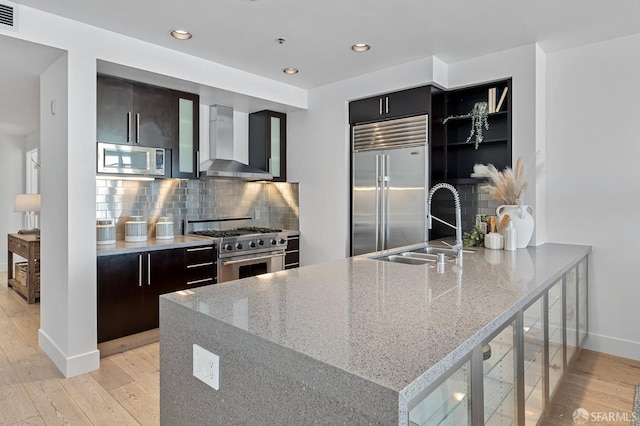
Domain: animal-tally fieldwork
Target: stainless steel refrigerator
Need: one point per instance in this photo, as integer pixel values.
(389, 184)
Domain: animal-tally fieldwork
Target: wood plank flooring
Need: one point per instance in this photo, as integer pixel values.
(126, 388)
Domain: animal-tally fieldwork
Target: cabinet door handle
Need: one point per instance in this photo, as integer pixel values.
(148, 268)
(138, 128)
(200, 249)
(198, 265)
(380, 106)
(199, 281)
(198, 164)
(139, 270)
(129, 126)
(386, 102)
(270, 162)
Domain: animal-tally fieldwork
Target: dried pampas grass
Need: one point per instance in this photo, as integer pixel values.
(507, 186)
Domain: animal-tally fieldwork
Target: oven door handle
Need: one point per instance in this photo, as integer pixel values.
(252, 259)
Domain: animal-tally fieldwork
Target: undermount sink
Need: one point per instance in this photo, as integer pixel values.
(407, 258)
(420, 256)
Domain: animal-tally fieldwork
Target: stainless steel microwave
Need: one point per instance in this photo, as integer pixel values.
(130, 160)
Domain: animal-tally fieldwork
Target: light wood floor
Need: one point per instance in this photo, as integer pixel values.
(599, 383)
(126, 388)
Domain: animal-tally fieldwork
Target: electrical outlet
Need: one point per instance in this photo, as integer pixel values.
(206, 366)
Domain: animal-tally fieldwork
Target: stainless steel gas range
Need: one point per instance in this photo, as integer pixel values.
(243, 251)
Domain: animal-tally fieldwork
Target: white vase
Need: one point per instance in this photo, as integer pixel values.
(522, 219)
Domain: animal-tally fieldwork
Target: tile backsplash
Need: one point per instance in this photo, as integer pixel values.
(474, 200)
(271, 204)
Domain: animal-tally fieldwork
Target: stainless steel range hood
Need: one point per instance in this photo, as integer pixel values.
(221, 149)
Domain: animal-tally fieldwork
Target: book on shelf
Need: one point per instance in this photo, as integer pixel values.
(503, 97)
(491, 101)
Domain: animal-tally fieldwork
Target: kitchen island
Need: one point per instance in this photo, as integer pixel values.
(364, 341)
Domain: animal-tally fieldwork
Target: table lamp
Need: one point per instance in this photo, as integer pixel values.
(28, 203)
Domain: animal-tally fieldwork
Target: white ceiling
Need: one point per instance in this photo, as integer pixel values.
(243, 33)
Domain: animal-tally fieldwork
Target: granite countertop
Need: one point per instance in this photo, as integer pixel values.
(178, 241)
(400, 326)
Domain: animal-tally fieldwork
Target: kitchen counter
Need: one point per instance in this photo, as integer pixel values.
(178, 241)
(354, 339)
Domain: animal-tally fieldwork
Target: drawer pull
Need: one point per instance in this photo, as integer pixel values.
(200, 249)
(199, 281)
(198, 265)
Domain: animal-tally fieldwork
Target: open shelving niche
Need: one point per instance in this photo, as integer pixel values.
(459, 156)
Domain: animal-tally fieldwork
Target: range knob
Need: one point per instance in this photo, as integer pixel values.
(252, 244)
(273, 241)
(282, 241)
(260, 242)
(239, 246)
(228, 247)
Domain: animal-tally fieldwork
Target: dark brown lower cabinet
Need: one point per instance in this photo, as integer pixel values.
(129, 286)
(292, 253)
(120, 296)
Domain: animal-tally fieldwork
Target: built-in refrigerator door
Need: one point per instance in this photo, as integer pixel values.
(404, 189)
(365, 198)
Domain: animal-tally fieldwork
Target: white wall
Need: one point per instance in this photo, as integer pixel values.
(318, 155)
(593, 179)
(12, 176)
(68, 268)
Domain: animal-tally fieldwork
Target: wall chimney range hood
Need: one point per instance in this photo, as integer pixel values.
(221, 149)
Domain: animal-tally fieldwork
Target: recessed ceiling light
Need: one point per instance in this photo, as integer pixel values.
(360, 47)
(181, 34)
(290, 70)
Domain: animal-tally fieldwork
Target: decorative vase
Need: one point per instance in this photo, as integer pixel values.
(522, 219)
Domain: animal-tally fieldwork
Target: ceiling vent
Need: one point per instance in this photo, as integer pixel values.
(8, 16)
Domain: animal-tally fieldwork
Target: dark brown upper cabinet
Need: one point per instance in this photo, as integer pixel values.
(185, 150)
(134, 113)
(404, 103)
(268, 143)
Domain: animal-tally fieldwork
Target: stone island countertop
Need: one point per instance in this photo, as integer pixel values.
(391, 328)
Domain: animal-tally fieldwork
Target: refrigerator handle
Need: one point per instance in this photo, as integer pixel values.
(383, 204)
(378, 202)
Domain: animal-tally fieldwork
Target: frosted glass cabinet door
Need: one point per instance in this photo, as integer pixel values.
(556, 351)
(582, 301)
(533, 362)
(185, 149)
(499, 380)
(448, 404)
(570, 313)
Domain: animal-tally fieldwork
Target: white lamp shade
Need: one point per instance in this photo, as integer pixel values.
(27, 203)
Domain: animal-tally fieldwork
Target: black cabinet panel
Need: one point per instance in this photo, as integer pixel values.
(154, 116)
(115, 105)
(268, 143)
(165, 273)
(130, 285)
(404, 103)
(135, 113)
(120, 296)
(186, 139)
(292, 253)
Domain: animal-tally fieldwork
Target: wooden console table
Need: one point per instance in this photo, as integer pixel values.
(27, 246)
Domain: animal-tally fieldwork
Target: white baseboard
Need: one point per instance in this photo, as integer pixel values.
(613, 346)
(68, 366)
